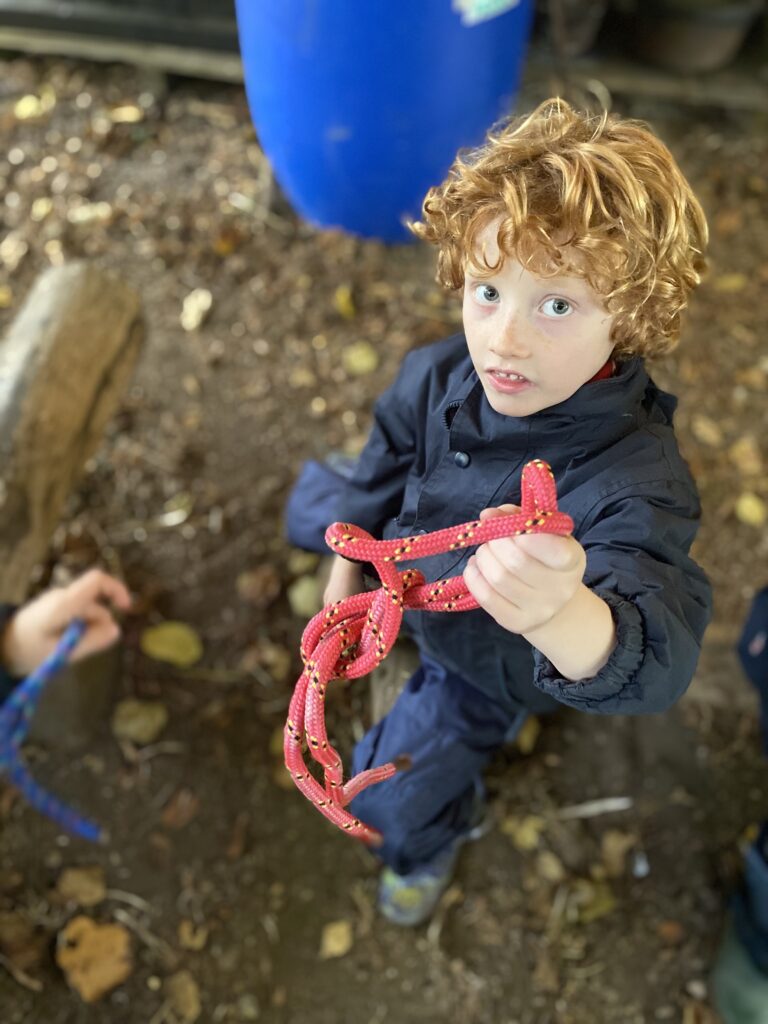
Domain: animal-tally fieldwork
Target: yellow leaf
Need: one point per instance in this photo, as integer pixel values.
(94, 957)
(730, 283)
(707, 431)
(6, 296)
(336, 940)
(745, 454)
(614, 846)
(751, 509)
(139, 721)
(192, 936)
(528, 735)
(343, 302)
(304, 597)
(549, 867)
(174, 642)
(360, 358)
(129, 114)
(84, 886)
(184, 997)
(27, 108)
(593, 900)
(524, 832)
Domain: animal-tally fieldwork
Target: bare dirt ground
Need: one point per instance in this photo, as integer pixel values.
(215, 868)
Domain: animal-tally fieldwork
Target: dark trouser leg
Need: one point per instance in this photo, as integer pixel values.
(449, 729)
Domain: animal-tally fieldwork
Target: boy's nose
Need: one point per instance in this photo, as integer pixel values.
(510, 342)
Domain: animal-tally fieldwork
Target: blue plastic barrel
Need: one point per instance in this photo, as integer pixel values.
(361, 105)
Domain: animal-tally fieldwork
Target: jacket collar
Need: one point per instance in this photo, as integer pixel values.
(601, 411)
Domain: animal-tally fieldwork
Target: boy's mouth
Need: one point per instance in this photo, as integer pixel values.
(507, 382)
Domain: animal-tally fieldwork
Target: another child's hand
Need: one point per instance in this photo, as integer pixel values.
(35, 629)
(346, 578)
(523, 582)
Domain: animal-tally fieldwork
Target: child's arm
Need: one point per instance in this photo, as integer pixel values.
(34, 630)
(636, 571)
(346, 579)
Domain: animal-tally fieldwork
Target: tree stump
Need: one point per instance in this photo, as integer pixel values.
(64, 365)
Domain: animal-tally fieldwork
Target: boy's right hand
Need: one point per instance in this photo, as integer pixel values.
(35, 629)
(346, 579)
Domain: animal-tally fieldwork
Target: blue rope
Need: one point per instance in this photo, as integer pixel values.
(15, 719)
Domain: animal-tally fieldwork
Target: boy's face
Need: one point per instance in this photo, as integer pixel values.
(533, 340)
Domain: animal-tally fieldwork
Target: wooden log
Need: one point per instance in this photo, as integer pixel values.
(63, 367)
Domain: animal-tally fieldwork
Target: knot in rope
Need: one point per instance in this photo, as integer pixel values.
(348, 638)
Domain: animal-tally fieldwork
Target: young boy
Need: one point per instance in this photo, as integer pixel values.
(30, 633)
(577, 241)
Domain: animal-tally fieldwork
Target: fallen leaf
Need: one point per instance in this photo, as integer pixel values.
(754, 377)
(359, 359)
(191, 936)
(751, 509)
(671, 933)
(180, 809)
(728, 222)
(614, 846)
(90, 213)
(276, 741)
(302, 377)
(745, 455)
(6, 296)
(260, 586)
(545, 977)
(525, 832)
(275, 659)
(21, 940)
(526, 739)
(302, 562)
(128, 114)
(707, 431)
(282, 777)
(184, 997)
(236, 844)
(85, 886)
(593, 900)
(139, 721)
(336, 939)
(94, 957)
(195, 308)
(174, 642)
(343, 302)
(550, 867)
(731, 283)
(304, 597)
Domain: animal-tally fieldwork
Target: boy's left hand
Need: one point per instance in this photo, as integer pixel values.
(523, 582)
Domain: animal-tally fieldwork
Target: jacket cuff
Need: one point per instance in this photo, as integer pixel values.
(616, 680)
(7, 681)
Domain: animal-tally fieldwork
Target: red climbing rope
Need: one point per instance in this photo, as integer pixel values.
(349, 638)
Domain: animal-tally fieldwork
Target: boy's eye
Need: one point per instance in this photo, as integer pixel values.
(486, 294)
(556, 307)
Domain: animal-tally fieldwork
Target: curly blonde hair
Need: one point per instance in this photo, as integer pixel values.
(600, 197)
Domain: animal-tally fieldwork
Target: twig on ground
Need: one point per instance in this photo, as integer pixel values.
(19, 976)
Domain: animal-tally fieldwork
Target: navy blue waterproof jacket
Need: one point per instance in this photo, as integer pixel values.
(438, 454)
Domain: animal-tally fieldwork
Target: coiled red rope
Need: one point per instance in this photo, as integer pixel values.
(349, 638)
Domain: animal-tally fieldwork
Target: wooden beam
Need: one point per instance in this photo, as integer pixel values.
(179, 60)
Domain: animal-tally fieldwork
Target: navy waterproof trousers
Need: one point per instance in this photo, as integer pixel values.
(449, 729)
